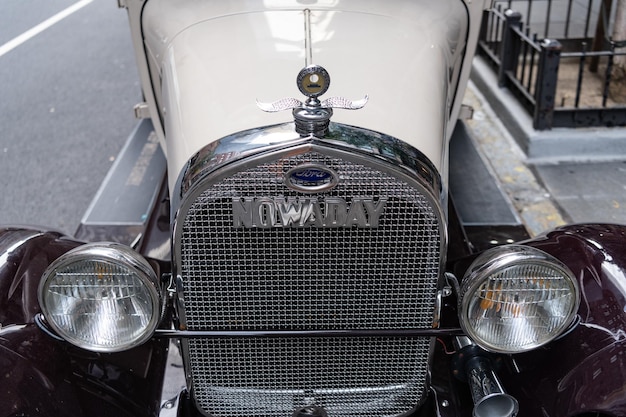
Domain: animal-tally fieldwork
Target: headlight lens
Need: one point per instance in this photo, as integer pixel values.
(517, 298)
(101, 297)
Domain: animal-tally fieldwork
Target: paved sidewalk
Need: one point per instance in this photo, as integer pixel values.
(507, 163)
(579, 178)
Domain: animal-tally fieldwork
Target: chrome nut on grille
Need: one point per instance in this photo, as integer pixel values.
(310, 411)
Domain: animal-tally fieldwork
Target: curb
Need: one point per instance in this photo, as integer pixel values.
(548, 146)
(504, 158)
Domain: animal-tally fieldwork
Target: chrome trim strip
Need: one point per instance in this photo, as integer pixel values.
(174, 382)
(238, 146)
(231, 148)
(42, 324)
(188, 334)
(308, 44)
(13, 239)
(388, 389)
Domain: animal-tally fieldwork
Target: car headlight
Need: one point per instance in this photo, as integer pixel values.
(102, 297)
(516, 298)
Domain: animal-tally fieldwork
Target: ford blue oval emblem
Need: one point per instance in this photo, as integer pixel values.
(314, 175)
(311, 178)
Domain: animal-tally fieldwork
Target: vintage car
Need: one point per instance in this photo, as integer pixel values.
(299, 253)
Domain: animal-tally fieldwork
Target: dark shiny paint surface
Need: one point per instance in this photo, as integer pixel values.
(40, 376)
(34, 373)
(582, 372)
(585, 370)
(24, 255)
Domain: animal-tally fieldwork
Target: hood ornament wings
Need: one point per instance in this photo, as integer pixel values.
(312, 117)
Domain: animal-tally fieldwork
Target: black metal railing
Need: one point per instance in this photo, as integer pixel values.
(557, 79)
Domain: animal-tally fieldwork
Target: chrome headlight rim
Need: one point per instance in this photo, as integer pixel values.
(498, 259)
(116, 254)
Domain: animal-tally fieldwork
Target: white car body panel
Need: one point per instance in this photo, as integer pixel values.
(215, 63)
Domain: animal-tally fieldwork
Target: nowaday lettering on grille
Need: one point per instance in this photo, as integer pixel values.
(332, 212)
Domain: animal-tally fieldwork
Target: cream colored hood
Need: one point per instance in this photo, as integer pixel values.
(212, 60)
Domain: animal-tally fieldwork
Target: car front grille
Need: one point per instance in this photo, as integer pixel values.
(309, 278)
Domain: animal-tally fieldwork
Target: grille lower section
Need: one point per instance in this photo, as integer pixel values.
(308, 278)
(348, 377)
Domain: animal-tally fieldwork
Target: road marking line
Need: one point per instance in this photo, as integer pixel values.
(34, 31)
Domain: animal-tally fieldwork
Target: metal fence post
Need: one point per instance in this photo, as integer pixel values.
(547, 78)
(484, 26)
(509, 50)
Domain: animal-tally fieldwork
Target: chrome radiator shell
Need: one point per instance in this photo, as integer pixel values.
(308, 278)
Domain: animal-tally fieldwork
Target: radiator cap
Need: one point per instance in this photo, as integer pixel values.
(312, 117)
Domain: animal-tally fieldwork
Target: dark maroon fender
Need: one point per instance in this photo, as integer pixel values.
(582, 372)
(585, 370)
(41, 376)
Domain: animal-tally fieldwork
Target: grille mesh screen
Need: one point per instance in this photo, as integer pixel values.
(309, 279)
(273, 377)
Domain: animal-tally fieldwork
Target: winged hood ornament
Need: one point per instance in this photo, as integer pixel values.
(312, 116)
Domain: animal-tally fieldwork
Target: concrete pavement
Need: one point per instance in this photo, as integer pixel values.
(552, 177)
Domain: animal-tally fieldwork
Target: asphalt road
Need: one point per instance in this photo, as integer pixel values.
(66, 98)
